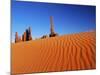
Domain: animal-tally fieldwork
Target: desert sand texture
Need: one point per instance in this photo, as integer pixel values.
(62, 53)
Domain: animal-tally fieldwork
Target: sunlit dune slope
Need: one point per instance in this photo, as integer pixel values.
(62, 53)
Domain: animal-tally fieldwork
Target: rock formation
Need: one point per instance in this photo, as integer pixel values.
(52, 34)
(24, 37)
(27, 36)
(30, 33)
(16, 37)
(44, 36)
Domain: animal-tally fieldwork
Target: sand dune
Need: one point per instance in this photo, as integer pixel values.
(62, 53)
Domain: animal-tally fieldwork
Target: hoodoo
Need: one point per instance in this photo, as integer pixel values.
(16, 37)
(52, 32)
(27, 36)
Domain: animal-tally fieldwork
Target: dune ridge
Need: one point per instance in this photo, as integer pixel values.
(61, 53)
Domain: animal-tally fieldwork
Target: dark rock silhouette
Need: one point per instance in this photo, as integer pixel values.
(24, 37)
(30, 33)
(27, 36)
(44, 36)
(16, 37)
(52, 34)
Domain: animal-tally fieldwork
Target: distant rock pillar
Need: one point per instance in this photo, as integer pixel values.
(27, 35)
(52, 25)
(30, 33)
(24, 37)
(16, 37)
(52, 33)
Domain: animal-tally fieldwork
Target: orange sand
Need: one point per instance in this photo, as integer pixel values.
(62, 53)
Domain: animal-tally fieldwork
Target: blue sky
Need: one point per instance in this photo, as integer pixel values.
(67, 18)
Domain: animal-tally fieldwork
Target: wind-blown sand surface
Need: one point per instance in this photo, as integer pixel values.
(62, 53)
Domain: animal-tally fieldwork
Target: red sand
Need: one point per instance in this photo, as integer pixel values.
(62, 53)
